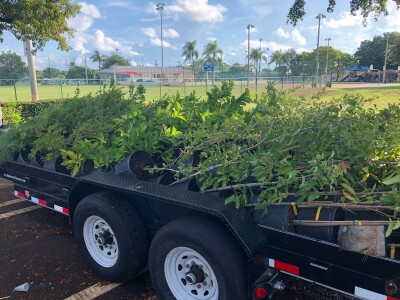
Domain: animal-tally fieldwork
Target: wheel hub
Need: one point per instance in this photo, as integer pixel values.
(196, 275)
(189, 275)
(100, 241)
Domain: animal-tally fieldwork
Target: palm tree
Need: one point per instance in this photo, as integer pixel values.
(190, 53)
(212, 54)
(97, 57)
(278, 58)
(256, 55)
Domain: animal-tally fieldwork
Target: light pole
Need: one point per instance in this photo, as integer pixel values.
(327, 57)
(248, 52)
(319, 17)
(268, 61)
(116, 67)
(386, 55)
(259, 63)
(160, 8)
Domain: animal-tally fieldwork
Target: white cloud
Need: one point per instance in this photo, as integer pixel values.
(301, 50)
(171, 33)
(197, 10)
(212, 39)
(282, 33)
(272, 46)
(149, 31)
(133, 63)
(295, 35)
(298, 38)
(392, 20)
(157, 42)
(82, 23)
(346, 20)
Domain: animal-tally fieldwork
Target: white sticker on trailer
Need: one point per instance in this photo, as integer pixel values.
(369, 295)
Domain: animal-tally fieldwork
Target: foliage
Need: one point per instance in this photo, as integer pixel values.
(373, 52)
(394, 50)
(305, 148)
(50, 73)
(114, 60)
(190, 53)
(47, 20)
(78, 72)
(367, 7)
(12, 113)
(11, 67)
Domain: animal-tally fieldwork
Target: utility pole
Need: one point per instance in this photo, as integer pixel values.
(248, 53)
(319, 17)
(259, 63)
(160, 8)
(327, 57)
(32, 70)
(386, 55)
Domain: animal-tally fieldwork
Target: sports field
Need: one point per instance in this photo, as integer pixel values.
(382, 93)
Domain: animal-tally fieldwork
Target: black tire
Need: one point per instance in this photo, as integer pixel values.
(127, 228)
(213, 243)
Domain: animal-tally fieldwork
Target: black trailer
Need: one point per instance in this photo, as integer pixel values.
(194, 245)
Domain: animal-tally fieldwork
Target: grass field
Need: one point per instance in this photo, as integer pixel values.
(382, 94)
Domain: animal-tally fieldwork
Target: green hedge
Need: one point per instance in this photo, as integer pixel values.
(14, 112)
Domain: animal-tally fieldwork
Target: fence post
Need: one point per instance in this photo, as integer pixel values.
(15, 92)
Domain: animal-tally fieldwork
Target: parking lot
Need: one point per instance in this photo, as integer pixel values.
(37, 247)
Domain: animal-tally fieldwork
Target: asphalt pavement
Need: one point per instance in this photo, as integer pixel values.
(37, 247)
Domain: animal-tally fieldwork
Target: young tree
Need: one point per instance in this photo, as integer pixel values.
(190, 53)
(114, 60)
(11, 67)
(39, 21)
(212, 54)
(367, 7)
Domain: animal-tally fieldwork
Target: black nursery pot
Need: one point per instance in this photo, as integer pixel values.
(38, 160)
(55, 165)
(326, 233)
(277, 216)
(23, 155)
(86, 168)
(135, 164)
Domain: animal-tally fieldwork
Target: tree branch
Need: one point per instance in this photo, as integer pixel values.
(6, 20)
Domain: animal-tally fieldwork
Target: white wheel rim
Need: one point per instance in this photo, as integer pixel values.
(178, 263)
(100, 241)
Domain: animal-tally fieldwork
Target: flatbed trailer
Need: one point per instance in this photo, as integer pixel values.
(194, 245)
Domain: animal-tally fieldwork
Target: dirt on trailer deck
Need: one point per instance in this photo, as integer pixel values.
(37, 247)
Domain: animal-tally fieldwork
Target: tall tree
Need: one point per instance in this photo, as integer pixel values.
(213, 54)
(11, 67)
(39, 20)
(256, 55)
(97, 57)
(51, 73)
(373, 51)
(79, 72)
(114, 60)
(190, 53)
(394, 50)
(367, 7)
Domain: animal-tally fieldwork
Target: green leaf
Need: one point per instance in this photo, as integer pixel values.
(390, 228)
(348, 188)
(391, 180)
(397, 225)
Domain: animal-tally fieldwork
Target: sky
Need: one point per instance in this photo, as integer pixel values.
(133, 27)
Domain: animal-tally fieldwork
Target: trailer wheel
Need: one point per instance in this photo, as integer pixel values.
(111, 236)
(196, 259)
